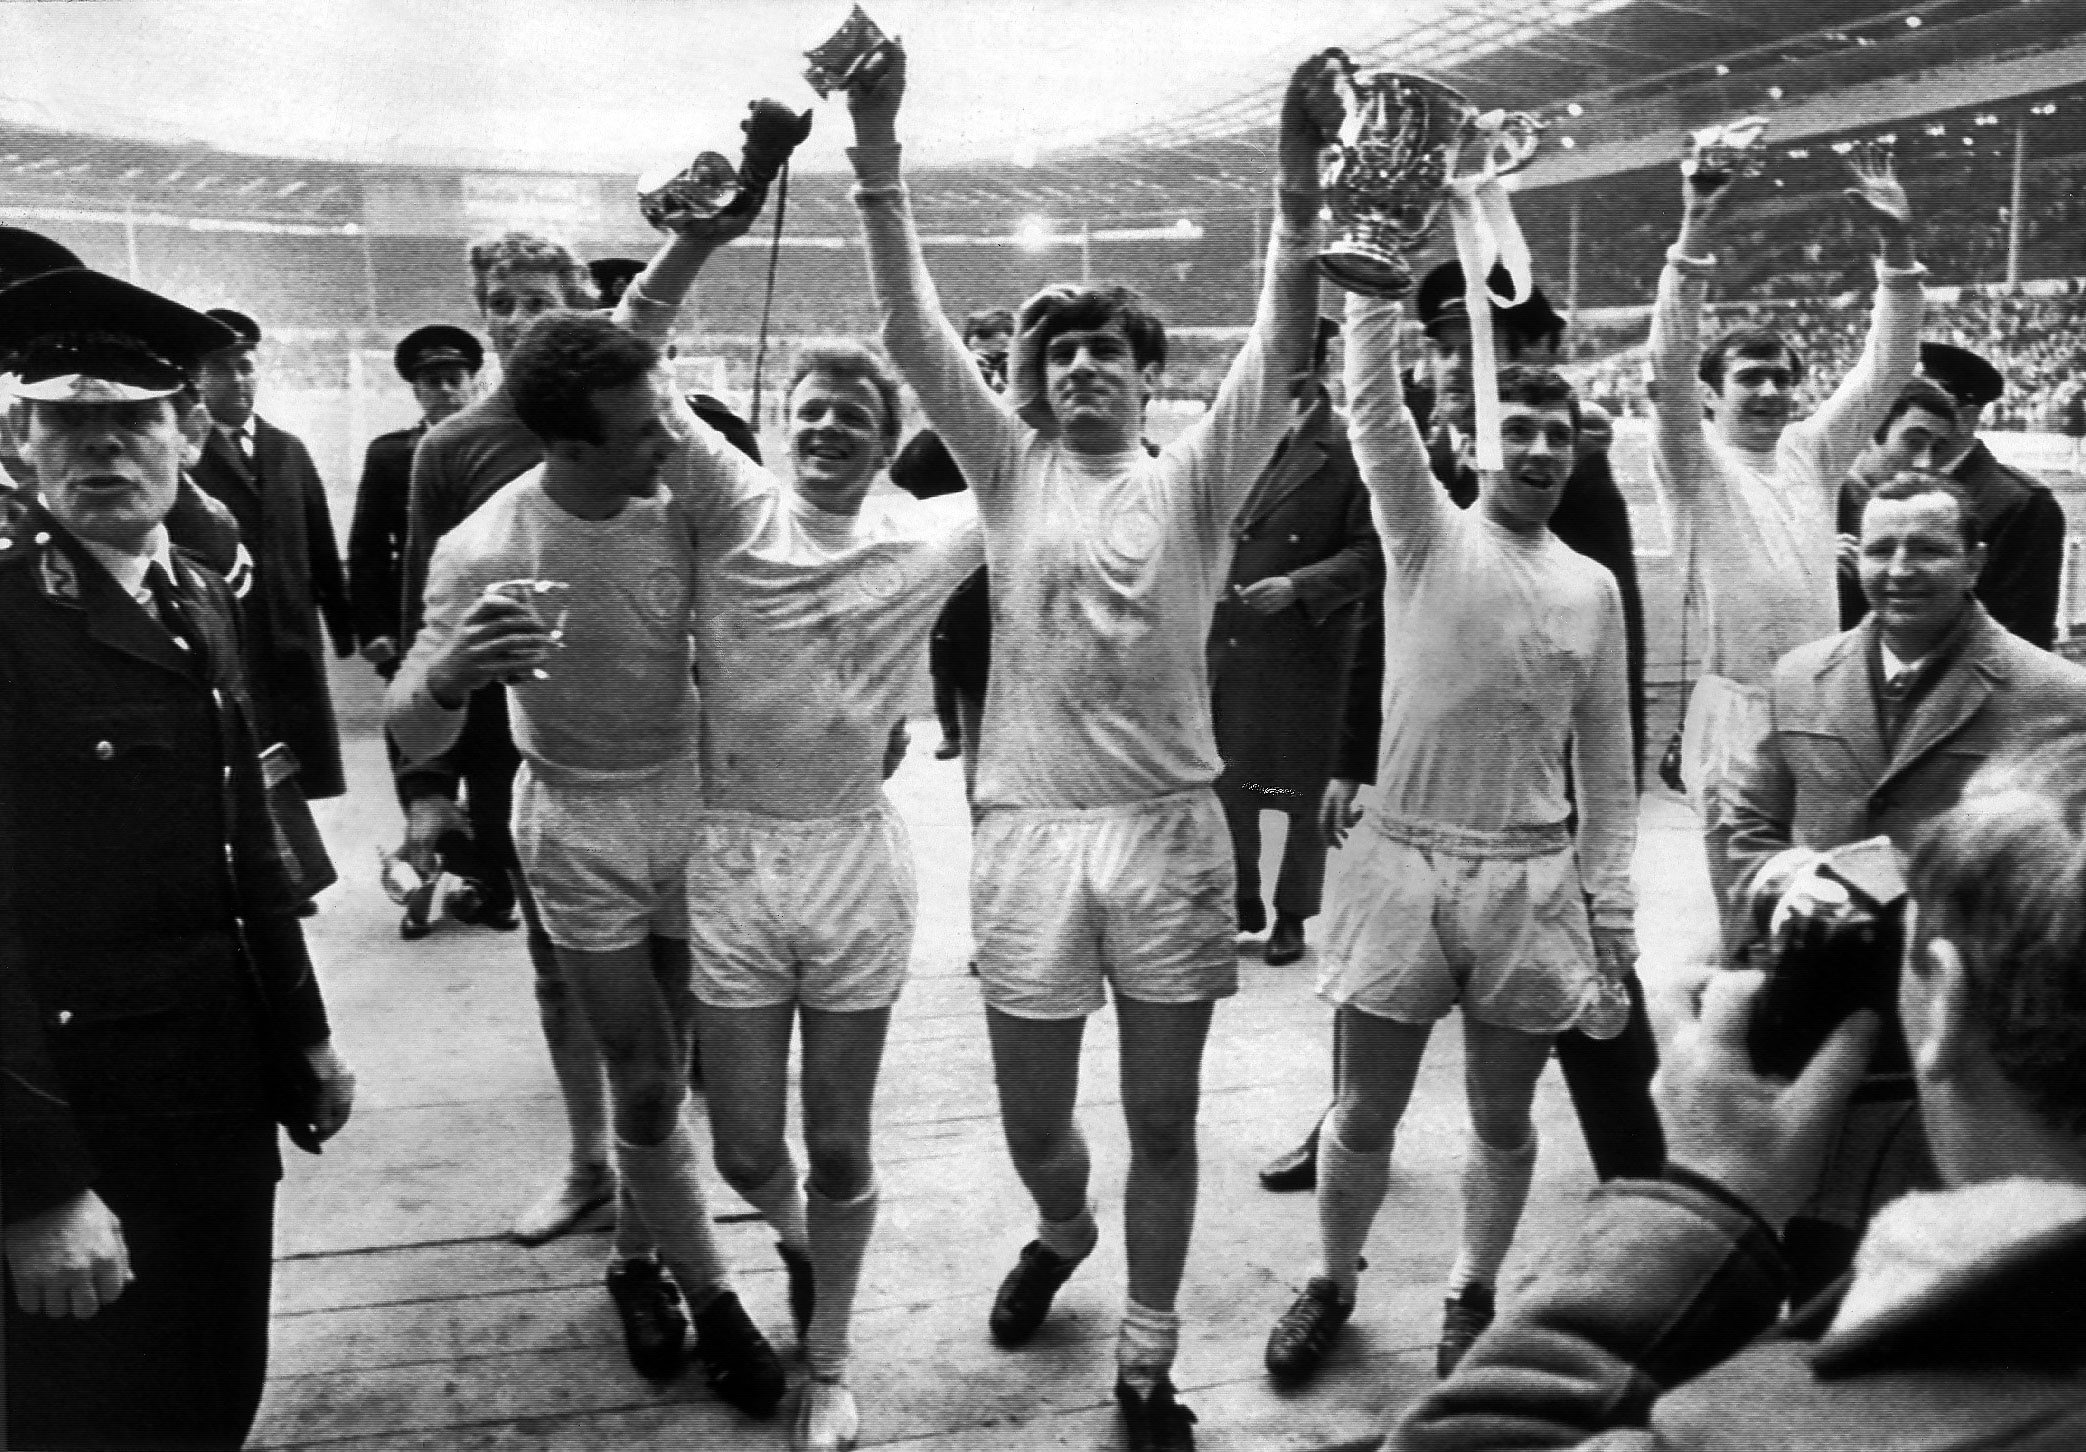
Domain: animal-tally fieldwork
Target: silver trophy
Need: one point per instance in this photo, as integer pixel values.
(837, 58)
(1400, 141)
(1716, 154)
(676, 200)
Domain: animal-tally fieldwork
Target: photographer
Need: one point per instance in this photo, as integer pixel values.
(1873, 732)
(1959, 1326)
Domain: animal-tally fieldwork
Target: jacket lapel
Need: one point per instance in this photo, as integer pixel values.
(1303, 455)
(1850, 705)
(1960, 694)
(225, 455)
(120, 623)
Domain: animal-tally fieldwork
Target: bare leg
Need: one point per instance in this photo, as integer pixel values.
(1161, 1069)
(1036, 1064)
(842, 1055)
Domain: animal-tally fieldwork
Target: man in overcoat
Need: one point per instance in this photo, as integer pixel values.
(158, 1012)
(1281, 644)
(266, 477)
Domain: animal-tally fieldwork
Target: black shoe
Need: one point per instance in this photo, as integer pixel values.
(736, 1359)
(1156, 1423)
(1253, 918)
(1296, 1170)
(948, 750)
(1298, 1344)
(1463, 1317)
(655, 1328)
(1024, 1297)
(803, 1288)
(1286, 943)
(309, 908)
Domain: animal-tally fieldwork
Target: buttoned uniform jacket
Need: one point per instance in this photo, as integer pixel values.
(1278, 682)
(1822, 777)
(281, 508)
(2022, 526)
(143, 906)
(377, 537)
(1652, 1329)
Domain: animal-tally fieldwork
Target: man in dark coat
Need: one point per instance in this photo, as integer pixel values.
(438, 363)
(2018, 517)
(1609, 1079)
(1281, 644)
(153, 978)
(266, 477)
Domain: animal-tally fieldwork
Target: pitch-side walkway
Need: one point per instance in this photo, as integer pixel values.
(405, 1319)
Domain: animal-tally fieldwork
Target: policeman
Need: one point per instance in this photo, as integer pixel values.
(438, 362)
(158, 1013)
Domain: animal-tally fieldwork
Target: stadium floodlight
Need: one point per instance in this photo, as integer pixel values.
(1913, 22)
(1567, 143)
(1032, 234)
(1574, 109)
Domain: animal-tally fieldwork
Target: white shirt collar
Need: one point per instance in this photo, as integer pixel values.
(128, 570)
(1892, 666)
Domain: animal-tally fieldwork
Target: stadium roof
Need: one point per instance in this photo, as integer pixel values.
(1617, 79)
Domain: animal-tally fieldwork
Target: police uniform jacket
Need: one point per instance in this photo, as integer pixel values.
(1277, 682)
(143, 908)
(281, 508)
(377, 537)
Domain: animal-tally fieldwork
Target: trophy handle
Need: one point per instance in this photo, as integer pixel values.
(1511, 139)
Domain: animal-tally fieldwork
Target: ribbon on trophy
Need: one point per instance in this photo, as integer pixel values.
(1481, 214)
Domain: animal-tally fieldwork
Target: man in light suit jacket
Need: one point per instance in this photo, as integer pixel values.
(1874, 732)
(266, 477)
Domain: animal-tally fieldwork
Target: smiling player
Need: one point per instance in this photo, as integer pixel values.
(1509, 653)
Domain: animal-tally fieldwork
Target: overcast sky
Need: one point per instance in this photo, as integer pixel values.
(617, 85)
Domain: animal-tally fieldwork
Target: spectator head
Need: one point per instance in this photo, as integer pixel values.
(1919, 559)
(1919, 432)
(988, 333)
(1993, 996)
(104, 374)
(612, 277)
(518, 276)
(1968, 379)
(1596, 431)
(1538, 426)
(1103, 350)
(598, 398)
(1529, 331)
(1749, 377)
(228, 377)
(844, 416)
(439, 361)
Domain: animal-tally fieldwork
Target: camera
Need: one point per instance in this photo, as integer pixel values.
(1825, 964)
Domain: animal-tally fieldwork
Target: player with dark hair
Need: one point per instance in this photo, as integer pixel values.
(1464, 887)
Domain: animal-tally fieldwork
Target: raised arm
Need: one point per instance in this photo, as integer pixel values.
(957, 400)
(1676, 348)
(1410, 505)
(1835, 434)
(1231, 443)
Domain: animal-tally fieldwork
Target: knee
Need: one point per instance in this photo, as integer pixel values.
(1360, 1126)
(1162, 1130)
(840, 1167)
(647, 1109)
(747, 1167)
(1503, 1127)
(1037, 1142)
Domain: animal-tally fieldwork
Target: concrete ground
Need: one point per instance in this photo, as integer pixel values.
(405, 1319)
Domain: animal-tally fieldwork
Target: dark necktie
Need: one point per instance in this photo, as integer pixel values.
(166, 602)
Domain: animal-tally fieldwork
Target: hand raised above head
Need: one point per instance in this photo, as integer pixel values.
(875, 87)
(1025, 355)
(1877, 196)
(1311, 115)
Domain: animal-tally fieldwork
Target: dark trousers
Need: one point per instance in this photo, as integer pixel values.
(1301, 883)
(179, 1360)
(1610, 1084)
